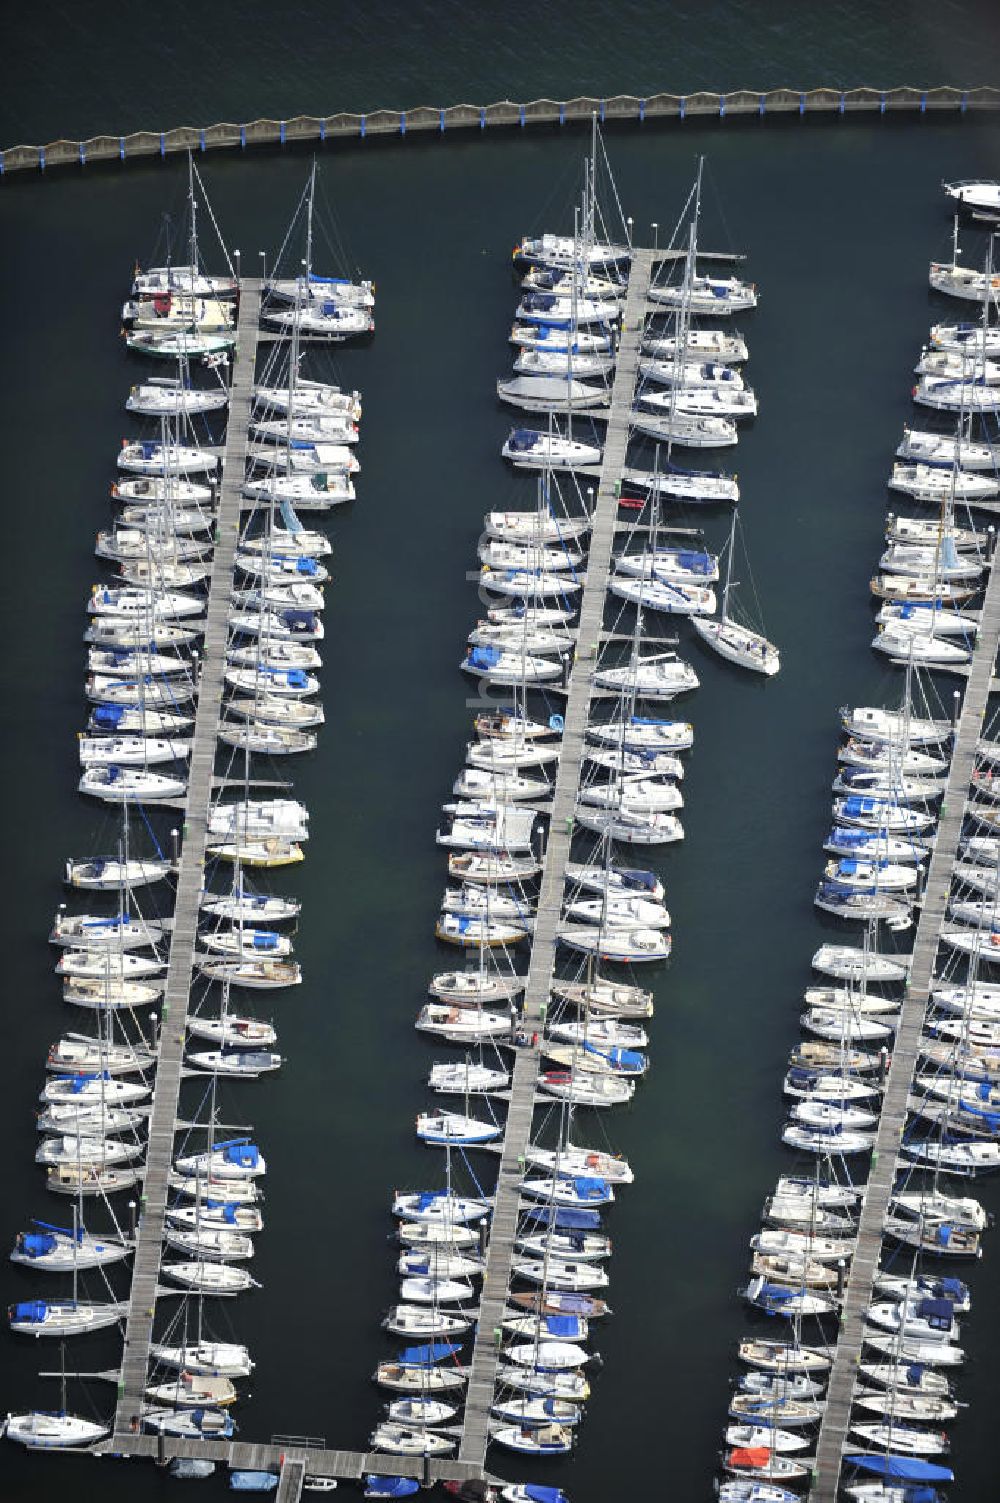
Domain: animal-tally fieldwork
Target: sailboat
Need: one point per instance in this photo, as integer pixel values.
(731, 640)
(327, 308)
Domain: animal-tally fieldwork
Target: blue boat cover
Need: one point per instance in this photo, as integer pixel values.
(390, 1487)
(557, 723)
(852, 840)
(564, 1326)
(539, 1494)
(421, 1356)
(590, 1188)
(938, 1313)
(522, 439)
(109, 716)
(149, 449)
(241, 1152)
(427, 1198)
(565, 1218)
(32, 1309)
(265, 940)
(484, 657)
(253, 1482)
(902, 1468)
(307, 566)
(36, 1244)
(640, 881)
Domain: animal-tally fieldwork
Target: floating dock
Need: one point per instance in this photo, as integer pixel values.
(704, 104)
(892, 1122)
(163, 1122)
(503, 1230)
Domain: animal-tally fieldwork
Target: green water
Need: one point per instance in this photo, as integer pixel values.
(839, 221)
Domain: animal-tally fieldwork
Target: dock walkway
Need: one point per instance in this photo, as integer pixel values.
(190, 876)
(282, 1457)
(836, 1419)
(496, 1281)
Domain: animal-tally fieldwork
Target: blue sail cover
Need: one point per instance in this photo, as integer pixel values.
(422, 1356)
(288, 516)
(59, 1231)
(901, 1468)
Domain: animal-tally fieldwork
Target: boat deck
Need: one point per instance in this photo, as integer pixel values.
(482, 1375)
(843, 1374)
(190, 877)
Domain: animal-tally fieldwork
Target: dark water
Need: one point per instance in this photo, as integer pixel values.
(839, 223)
(79, 70)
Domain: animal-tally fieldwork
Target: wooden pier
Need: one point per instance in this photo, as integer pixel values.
(286, 1456)
(884, 1164)
(496, 1281)
(190, 878)
(704, 104)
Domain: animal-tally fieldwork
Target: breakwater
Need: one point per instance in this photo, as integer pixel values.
(506, 114)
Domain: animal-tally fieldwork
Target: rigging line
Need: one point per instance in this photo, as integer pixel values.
(481, 1193)
(303, 197)
(152, 834)
(211, 215)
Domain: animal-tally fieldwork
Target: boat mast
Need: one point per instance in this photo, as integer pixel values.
(729, 568)
(309, 225)
(193, 242)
